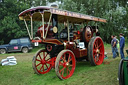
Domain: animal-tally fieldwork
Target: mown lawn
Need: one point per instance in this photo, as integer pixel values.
(85, 74)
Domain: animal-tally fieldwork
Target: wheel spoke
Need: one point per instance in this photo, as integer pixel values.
(100, 53)
(94, 50)
(43, 62)
(49, 62)
(45, 55)
(68, 71)
(70, 65)
(38, 60)
(95, 56)
(41, 67)
(96, 43)
(46, 65)
(62, 72)
(62, 69)
(48, 59)
(60, 63)
(40, 57)
(38, 64)
(63, 59)
(100, 49)
(65, 64)
(100, 45)
(69, 58)
(98, 60)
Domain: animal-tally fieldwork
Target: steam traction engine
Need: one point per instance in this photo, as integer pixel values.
(63, 46)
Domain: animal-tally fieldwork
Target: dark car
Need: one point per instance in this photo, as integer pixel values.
(21, 44)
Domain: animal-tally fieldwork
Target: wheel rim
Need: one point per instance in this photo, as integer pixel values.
(3, 51)
(42, 62)
(98, 51)
(49, 47)
(66, 65)
(25, 50)
(88, 34)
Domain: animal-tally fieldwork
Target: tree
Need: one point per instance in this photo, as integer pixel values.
(10, 26)
(112, 10)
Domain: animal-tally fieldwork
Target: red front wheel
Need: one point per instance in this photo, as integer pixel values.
(41, 62)
(65, 64)
(96, 51)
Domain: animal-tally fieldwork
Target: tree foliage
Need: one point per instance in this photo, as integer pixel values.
(10, 26)
(114, 11)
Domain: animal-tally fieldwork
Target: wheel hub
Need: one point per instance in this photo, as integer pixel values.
(43, 62)
(67, 64)
(97, 55)
(98, 51)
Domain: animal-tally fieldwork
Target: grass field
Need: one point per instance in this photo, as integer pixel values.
(85, 74)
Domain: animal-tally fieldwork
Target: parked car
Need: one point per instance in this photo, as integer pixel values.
(21, 44)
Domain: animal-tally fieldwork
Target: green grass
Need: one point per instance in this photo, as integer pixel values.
(85, 74)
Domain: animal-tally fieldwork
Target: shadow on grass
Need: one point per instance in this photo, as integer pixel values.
(80, 66)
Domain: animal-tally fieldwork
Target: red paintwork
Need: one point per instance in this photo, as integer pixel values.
(88, 34)
(53, 41)
(53, 62)
(78, 32)
(41, 61)
(98, 56)
(36, 41)
(76, 52)
(77, 35)
(64, 70)
(44, 65)
(79, 52)
(50, 33)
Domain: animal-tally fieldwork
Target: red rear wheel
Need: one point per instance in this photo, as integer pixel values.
(65, 64)
(96, 51)
(87, 34)
(41, 62)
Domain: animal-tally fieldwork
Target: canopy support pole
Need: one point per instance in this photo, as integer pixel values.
(31, 27)
(43, 24)
(96, 27)
(48, 26)
(68, 31)
(87, 23)
(27, 29)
